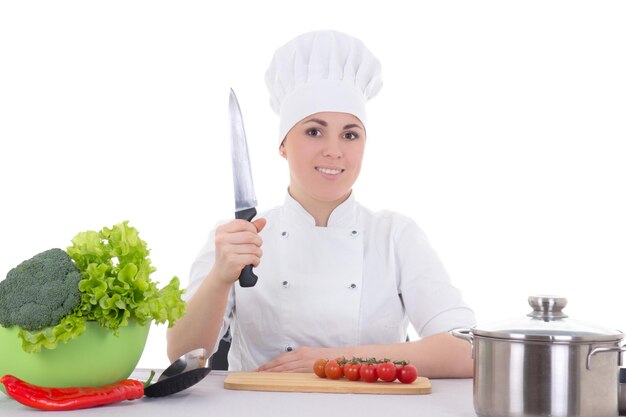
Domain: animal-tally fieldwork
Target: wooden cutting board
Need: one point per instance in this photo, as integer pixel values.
(309, 382)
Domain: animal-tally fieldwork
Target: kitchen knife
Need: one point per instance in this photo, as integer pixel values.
(245, 199)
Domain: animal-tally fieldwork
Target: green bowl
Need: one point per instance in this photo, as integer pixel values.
(96, 357)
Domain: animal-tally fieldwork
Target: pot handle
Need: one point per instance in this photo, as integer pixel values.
(465, 334)
(603, 350)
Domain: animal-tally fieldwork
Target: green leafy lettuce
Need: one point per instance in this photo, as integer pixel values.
(116, 288)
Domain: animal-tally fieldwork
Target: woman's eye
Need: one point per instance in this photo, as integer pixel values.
(313, 132)
(350, 135)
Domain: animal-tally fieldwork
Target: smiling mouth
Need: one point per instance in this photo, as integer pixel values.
(329, 171)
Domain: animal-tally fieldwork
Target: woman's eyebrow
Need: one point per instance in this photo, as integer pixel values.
(325, 124)
(319, 121)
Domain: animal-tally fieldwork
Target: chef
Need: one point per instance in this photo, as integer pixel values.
(335, 279)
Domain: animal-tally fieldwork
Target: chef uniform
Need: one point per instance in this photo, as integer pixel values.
(359, 280)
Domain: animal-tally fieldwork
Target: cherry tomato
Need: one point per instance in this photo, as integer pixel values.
(368, 372)
(318, 367)
(407, 374)
(351, 370)
(386, 371)
(399, 365)
(333, 369)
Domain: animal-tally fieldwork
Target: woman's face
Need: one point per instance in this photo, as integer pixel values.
(324, 152)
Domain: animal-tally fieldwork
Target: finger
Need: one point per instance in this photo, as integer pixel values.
(237, 225)
(240, 238)
(243, 249)
(288, 362)
(296, 366)
(259, 224)
(226, 238)
(276, 362)
(241, 260)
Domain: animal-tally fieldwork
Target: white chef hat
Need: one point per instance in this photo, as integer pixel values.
(321, 71)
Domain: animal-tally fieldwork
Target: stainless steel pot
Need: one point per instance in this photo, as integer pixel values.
(622, 392)
(545, 364)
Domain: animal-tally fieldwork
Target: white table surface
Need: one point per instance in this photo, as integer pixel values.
(450, 397)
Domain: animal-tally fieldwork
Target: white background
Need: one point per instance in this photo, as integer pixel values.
(500, 129)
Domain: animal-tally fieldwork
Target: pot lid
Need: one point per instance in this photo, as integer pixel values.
(547, 322)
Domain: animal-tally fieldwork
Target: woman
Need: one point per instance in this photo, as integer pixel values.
(335, 279)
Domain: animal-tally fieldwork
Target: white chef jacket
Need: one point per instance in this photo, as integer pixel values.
(360, 280)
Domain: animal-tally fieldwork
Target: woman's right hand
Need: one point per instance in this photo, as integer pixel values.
(237, 244)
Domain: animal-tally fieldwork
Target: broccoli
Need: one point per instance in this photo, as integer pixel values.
(40, 291)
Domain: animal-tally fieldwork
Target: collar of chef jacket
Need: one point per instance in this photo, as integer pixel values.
(344, 215)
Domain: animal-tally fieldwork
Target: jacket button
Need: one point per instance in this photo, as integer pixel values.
(354, 233)
(285, 234)
(285, 284)
(288, 349)
(353, 286)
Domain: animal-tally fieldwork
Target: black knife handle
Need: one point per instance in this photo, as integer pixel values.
(247, 278)
(247, 214)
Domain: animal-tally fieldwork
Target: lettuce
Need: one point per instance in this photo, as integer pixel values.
(69, 328)
(116, 287)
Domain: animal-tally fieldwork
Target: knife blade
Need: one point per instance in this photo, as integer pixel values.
(245, 198)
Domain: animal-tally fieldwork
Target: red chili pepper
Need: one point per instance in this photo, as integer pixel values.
(61, 399)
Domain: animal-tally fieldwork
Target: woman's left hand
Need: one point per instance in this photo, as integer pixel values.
(299, 360)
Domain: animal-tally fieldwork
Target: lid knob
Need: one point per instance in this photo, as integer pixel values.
(547, 307)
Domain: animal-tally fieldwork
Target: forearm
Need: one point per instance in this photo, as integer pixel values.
(201, 324)
(237, 243)
(437, 356)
